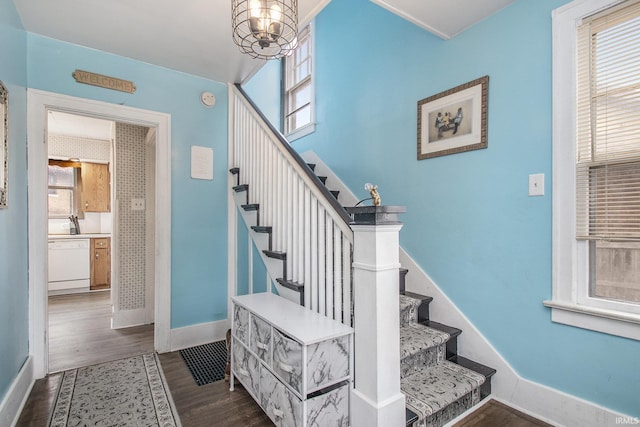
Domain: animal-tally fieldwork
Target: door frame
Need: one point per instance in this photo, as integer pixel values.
(38, 103)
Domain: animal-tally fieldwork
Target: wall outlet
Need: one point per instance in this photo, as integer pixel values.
(137, 204)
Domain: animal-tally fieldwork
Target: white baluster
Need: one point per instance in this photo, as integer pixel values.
(313, 284)
(322, 261)
(307, 247)
(329, 269)
(337, 273)
(346, 282)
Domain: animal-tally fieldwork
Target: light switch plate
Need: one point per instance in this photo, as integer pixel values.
(536, 184)
(137, 204)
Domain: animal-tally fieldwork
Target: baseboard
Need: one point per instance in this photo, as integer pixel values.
(562, 409)
(199, 334)
(16, 397)
(537, 400)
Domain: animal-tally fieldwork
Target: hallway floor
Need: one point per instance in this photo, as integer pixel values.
(83, 339)
(80, 332)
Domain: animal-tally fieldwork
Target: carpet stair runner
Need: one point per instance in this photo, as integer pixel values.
(436, 389)
(438, 384)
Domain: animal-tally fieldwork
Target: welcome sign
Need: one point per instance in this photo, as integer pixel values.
(106, 82)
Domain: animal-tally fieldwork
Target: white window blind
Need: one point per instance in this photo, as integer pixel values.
(608, 125)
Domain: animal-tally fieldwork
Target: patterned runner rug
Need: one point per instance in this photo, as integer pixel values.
(127, 392)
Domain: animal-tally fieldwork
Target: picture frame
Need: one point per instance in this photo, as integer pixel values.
(454, 121)
(4, 145)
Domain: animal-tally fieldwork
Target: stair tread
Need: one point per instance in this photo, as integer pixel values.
(416, 338)
(234, 171)
(251, 207)
(452, 331)
(262, 228)
(428, 390)
(312, 166)
(483, 370)
(275, 254)
(295, 286)
(422, 298)
(241, 187)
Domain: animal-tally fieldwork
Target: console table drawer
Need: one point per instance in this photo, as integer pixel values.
(287, 360)
(281, 405)
(261, 338)
(246, 368)
(241, 323)
(327, 362)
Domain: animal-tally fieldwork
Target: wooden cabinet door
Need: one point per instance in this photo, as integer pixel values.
(96, 183)
(100, 263)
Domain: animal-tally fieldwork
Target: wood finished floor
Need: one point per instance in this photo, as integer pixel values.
(84, 321)
(497, 414)
(80, 335)
(80, 332)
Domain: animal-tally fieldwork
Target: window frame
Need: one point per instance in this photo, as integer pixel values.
(286, 64)
(75, 194)
(571, 303)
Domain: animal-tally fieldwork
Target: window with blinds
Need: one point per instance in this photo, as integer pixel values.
(608, 149)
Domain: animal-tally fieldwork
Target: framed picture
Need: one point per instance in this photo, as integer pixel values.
(4, 143)
(453, 121)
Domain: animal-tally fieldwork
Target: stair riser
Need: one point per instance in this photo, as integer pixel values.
(408, 314)
(452, 411)
(427, 357)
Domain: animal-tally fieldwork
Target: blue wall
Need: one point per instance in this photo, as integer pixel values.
(469, 223)
(199, 213)
(14, 285)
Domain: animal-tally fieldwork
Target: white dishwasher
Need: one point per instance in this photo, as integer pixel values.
(69, 266)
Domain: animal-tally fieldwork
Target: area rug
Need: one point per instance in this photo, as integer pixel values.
(206, 362)
(126, 392)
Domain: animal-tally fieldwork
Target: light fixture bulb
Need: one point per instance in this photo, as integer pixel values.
(256, 8)
(276, 13)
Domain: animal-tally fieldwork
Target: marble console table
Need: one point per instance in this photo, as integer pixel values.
(295, 363)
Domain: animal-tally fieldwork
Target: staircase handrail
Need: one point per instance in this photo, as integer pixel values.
(301, 165)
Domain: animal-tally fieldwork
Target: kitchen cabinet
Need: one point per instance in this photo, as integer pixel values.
(100, 263)
(295, 363)
(96, 185)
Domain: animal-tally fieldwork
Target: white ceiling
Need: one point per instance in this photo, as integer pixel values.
(60, 123)
(195, 36)
(445, 19)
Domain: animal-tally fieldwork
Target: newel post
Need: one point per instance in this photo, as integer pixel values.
(376, 399)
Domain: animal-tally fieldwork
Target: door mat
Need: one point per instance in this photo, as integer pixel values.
(206, 362)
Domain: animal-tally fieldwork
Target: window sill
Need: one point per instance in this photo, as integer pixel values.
(303, 131)
(596, 319)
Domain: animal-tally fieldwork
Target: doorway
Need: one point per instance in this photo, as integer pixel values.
(101, 177)
(38, 103)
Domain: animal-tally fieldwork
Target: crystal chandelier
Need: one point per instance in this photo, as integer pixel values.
(265, 29)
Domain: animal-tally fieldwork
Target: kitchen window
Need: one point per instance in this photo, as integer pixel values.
(298, 88)
(63, 183)
(596, 156)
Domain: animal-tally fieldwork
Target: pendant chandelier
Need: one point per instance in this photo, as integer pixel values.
(265, 29)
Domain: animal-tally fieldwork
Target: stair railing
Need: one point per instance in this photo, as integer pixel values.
(307, 221)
